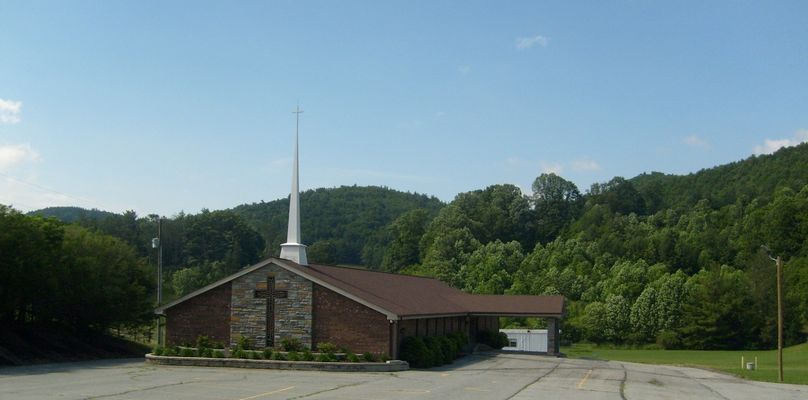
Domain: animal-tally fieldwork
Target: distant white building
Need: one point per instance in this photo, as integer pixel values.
(532, 340)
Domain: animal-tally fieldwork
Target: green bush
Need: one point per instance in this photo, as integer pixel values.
(461, 339)
(278, 356)
(205, 352)
(668, 340)
(187, 352)
(267, 353)
(218, 354)
(239, 353)
(351, 357)
(369, 357)
(256, 355)
(158, 350)
(244, 343)
(384, 357)
(172, 351)
(291, 344)
(447, 348)
(435, 353)
(326, 347)
(306, 355)
(203, 342)
(293, 356)
(414, 351)
(326, 357)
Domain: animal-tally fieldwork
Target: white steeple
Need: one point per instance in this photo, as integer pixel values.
(293, 249)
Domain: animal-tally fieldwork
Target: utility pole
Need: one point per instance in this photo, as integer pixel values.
(779, 263)
(158, 244)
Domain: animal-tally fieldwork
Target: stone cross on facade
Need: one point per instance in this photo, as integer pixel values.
(264, 293)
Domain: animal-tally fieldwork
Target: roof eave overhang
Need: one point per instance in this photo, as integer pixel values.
(161, 309)
(513, 314)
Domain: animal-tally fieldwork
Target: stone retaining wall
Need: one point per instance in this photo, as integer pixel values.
(390, 366)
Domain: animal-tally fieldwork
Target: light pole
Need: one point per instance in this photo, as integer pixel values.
(779, 262)
(158, 244)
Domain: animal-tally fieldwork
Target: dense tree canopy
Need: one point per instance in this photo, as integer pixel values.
(675, 260)
(65, 275)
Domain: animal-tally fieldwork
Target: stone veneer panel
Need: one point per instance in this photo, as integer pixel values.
(293, 314)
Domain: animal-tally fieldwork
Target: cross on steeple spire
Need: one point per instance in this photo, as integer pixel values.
(293, 249)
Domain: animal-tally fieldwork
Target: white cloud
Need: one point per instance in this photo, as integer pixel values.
(15, 154)
(554, 168)
(523, 43)
(10, 111)
(695, 141)
(585, 164)
(771, 145)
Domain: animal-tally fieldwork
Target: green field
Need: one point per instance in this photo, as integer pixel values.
(795, 360)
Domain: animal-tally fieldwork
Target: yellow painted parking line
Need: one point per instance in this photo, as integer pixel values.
(474, 389)
(267, 393)
(581, 383)
(444, 374)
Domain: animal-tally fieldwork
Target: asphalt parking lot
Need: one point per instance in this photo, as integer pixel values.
(494, 376)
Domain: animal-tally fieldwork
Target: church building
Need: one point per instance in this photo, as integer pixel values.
(358, 309)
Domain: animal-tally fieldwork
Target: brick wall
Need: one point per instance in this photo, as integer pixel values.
(207, 314)
(346, 323)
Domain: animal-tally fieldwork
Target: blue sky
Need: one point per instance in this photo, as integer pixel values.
(166, 106)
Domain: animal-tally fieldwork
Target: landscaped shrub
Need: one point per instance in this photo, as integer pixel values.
(415, 352)
(306, 355)
(278, 356)
(205, 352)
(351, 357)
(244, 343)
(267, 354)
(187, 352)
(293, 356)
(158, 350)
(291, 344)
(238, 353)
(172, 351)
(326, 347)
(448, 350)
(384, 357)
(435, 353)
(218, 354)
(256, 355)
(203, 342)
(461, 339)
(326, 357)
(369, 357)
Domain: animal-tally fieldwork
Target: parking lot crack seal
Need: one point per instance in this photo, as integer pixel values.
(534, 381)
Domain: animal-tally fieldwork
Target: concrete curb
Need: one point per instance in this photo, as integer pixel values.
(389, 366)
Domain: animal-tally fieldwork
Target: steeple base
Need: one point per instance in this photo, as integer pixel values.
(295, 252)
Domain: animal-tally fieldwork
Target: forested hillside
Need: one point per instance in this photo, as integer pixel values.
(71, 214)
(341, 225)
(665, 259)
(672, 260)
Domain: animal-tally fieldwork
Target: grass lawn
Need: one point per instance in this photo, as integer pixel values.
(795, 360)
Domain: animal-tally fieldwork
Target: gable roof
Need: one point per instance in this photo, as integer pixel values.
(403, 296)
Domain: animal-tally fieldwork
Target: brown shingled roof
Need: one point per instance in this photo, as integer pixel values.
(411, 296)
(402, 296)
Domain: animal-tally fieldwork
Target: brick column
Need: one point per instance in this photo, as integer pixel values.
(553, 347)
